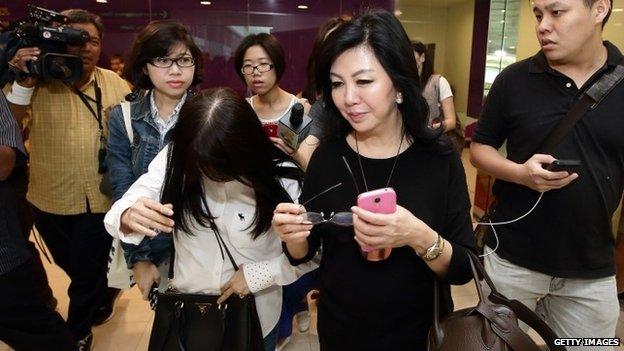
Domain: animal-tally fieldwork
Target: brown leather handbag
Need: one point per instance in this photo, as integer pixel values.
(492, 325)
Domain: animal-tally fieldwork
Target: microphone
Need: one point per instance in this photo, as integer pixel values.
(295, 128)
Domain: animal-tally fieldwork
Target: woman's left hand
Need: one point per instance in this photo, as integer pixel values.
(401, 228)
(236, 285)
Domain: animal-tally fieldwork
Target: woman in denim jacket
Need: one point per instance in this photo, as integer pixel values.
(165, 62)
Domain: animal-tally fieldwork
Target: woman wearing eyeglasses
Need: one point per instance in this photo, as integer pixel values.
(165, 62)
(260, 63)
(379, 139)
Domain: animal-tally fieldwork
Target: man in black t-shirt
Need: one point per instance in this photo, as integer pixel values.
(558, 260)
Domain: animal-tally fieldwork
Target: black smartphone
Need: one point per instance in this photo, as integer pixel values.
(570, 166)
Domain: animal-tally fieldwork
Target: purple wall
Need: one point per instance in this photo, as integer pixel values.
(478, 57)
(217, 28)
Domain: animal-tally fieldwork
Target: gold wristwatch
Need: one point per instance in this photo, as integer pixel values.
(434, 251)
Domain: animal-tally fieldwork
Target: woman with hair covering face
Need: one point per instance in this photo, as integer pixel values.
(220, 174)
(369, 82)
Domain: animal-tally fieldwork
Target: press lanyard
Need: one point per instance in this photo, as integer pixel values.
(98, 105)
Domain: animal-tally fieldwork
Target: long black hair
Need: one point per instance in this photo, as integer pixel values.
(219, 136)
(311, 90)
(383, 33)
(427, 66)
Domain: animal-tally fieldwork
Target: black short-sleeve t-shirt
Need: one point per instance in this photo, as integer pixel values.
(569, 233)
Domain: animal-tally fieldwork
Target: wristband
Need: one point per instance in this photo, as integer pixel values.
(20, 95)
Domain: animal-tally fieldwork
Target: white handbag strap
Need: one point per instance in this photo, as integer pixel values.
(125, 109)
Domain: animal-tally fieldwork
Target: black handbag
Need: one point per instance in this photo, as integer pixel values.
(492, 325)
(196, 322)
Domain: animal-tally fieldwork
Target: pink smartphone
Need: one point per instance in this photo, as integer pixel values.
(378, 201)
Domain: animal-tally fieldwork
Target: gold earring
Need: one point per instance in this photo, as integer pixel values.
(399, 98)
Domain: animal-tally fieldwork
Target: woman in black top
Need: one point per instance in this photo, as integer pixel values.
(369, 76)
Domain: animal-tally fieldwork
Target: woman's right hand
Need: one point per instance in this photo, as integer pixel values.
(145, 275)
(147, 216)
(289, 224)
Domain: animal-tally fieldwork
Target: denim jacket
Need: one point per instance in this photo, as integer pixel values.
(126, 163)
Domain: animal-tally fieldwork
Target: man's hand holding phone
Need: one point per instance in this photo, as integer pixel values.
(570, 166)
(533, 175)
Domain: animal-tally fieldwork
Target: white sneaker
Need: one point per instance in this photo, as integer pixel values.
(303, 321)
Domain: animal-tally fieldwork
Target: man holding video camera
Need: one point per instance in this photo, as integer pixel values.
(67, 137)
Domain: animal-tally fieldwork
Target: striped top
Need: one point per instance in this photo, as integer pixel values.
(10, 133)
(13, 251)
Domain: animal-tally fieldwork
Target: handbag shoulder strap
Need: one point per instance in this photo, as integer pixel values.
(220, 241)
(226, 250)
(531, 319)
(508, 331)
(590, 99)
(125, 109)
(513, 335)
(522, 312)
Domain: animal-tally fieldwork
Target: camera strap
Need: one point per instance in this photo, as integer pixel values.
(97, 113)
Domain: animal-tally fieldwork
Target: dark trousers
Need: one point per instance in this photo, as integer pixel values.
(79, 245)
(19, 181)
(26, 321)
(293, 297)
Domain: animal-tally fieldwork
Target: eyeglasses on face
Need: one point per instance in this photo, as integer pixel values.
(263, 67)
(344, 219)
(166, 62)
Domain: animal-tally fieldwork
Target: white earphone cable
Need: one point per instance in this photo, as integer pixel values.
(504, 223)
